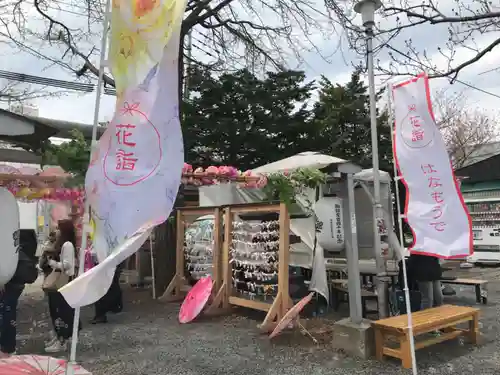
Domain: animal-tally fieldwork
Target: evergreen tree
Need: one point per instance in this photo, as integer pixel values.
(343, 115)
(239, 119)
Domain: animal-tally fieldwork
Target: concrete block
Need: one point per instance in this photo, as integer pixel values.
(355, 339)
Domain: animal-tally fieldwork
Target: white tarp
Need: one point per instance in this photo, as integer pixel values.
(9, 235)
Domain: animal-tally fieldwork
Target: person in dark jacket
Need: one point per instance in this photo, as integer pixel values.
(9, 297)
(26, 273)
(112, 301)
(426, 270)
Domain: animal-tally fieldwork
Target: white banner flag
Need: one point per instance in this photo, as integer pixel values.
(134, 176)
(90, 285)
(434, 209)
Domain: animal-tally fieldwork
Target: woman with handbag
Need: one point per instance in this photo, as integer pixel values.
(48, 251)
(62, 264)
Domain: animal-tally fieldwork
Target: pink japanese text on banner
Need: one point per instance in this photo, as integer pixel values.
(434, 208)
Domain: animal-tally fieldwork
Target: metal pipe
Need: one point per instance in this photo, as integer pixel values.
(382, 282)
(395, 244)
(354, 284)
(86, 215)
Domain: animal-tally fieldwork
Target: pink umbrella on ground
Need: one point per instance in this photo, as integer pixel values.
(37, 365)
(195, 300)
(291, 314)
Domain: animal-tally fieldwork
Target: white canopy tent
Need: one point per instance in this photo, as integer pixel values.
(307, 159)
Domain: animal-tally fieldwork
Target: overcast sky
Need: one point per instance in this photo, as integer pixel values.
(79, 107)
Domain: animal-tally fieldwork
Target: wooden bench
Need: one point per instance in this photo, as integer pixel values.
(481, 287)
(443, 319)
(341, 294)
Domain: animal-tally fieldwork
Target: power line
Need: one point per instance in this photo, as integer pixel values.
(435, 70)
(44, 81)
(489, 71)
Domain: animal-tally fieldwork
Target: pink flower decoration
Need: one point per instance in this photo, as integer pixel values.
(262, 181)
(188, 168)
(224, 171)
(214, 170)
(207, 181)
(233, 172)
(199, 171)
(229, 171)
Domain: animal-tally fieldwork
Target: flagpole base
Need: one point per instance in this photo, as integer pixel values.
(354, 339)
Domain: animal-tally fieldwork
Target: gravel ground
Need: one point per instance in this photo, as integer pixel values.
(146, 339)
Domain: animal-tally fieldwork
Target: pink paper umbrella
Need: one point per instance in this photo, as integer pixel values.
(291, 314)
(37, 365)
(195, 300)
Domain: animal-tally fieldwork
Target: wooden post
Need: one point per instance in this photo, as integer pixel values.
(216, 253)
(219, 302)
(226, 259)
(284, 260)
(474, 329)
(173, 291)
(179, 245)
(405, 349)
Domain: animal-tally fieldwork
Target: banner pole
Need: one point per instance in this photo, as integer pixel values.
(86, 215)
(401, 237)
(396, 174)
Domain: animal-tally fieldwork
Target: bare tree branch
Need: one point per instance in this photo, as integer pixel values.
(17, 93)
(472, 26)
(465, 130)
(230, 31)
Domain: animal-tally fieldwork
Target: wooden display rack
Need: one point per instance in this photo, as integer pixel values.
(177, 288)
(224, 297)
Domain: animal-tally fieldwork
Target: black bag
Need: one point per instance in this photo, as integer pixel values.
(26, 271)
(415, 301)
